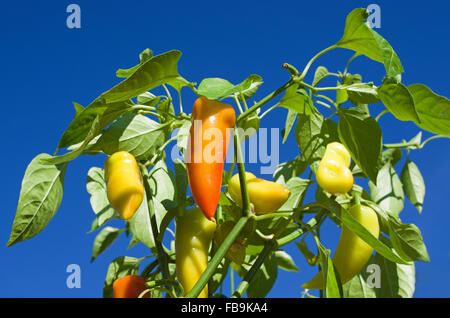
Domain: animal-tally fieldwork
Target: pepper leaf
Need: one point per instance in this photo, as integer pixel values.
(39, 199)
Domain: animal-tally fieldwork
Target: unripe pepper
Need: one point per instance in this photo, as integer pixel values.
(124, 185)
(334, 175)
(266, 196)
(130, 286)
(206, 151)
(193, 236)
(352, 253)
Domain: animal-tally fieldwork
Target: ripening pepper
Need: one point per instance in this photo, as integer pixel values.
(352, 253)
(266, 196)
(206, 151)
(193, 236)
(130, 286)
(124, 185)
(334, 175)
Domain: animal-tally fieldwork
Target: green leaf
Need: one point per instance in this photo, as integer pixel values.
(79, 128)
(148, 99)
(104, 239)
(250, 125)
(381, 278)
(407, 240)
(214, 88)
(143, 57)
(362, 93)
(40, 196)
(398, 101)
(296, 100)
(353, 225)
(93, 132)
(391, 156)
(137, 134)
(96, 187)
(162, 183)
(288, 170)
(310, 257)
(181, 181)
(285, 261)
(78, 109)
(219, 275)
(320, 74)
(298, 187)
(388, 191)
(140, 224)
(413, 184)
(120, 267)
(433, 110)
(290, 119)
(251, 90)
(359, 37)
(158, 70)
(264, 279)
(362, 137)
(313, 133)
(333, 288)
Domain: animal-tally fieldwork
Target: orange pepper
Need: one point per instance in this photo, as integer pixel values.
(130, 286)
(206, 151)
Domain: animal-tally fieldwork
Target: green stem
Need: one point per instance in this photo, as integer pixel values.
(348, 63)
(243, 100)
(265, 100)
(318, 89)
(217, 258)
(161, 255)
(231, 280)
(148, 269)
(432, 138)
(238, 104)
(299, 232)
(402, 145)
(381, 114)
(268, 110)
(246, 207)
(305, 71)
(241, 289)
(272, 215)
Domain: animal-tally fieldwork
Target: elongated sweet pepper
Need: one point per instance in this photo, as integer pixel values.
(193, 236)
(130, 286)
(206, 151)
(352, 253)
(124, 185)
(266, 196)
(334, 175)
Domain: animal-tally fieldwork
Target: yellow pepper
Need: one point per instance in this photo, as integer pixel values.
(266, 196)
(334, 175)
(352, 253)
(124, 183)
(193, 236)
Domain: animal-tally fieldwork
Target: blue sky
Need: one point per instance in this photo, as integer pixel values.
(47, 66)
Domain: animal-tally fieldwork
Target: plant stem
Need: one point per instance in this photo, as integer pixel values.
(272, 215)
(265, 100)
(432, 138)
(161, 255)
(348, 63)
(246, 207)
(381, 114)
(240, 290)
(268, 110)
(299, 232)
(238, 104)
(217, 258)
(305, 71)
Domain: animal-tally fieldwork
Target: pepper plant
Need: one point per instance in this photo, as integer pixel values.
(130, 117)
